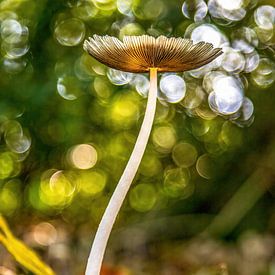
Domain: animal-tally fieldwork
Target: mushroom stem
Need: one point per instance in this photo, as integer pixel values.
(111, 212)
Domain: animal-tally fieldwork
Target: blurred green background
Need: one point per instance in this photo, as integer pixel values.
(203, 199)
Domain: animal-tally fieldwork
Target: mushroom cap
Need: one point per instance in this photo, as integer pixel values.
(138, 54)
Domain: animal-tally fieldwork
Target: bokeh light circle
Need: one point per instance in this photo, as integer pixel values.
(70, 32)
(45, 234)
(227, 95)
(205, 166)
(173, 88)
(184, 154)
(164, 138)
(13, 32)
(143, 197)
(177, 183)
(83, 156)
(209, 33)
(91, 183)
(196, 10)
(118, 77)
(265, 17)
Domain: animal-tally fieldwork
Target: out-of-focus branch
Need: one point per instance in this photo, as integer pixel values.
(245, 197)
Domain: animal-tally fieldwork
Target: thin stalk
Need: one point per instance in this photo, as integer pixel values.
(111, 212)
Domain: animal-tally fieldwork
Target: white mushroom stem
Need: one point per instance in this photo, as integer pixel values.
(111, 212)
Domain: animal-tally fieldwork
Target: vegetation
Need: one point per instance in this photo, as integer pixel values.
(203, 199)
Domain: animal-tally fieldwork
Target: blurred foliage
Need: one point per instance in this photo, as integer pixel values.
(22, 254)
(203, 199)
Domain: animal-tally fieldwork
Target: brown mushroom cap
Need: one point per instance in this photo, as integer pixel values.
(138, 54)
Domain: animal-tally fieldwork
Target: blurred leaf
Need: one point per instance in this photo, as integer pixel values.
(23, 254)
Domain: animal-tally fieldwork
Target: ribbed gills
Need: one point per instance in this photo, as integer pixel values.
(139, 53)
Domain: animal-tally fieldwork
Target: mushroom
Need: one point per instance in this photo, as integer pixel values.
(140, 54)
